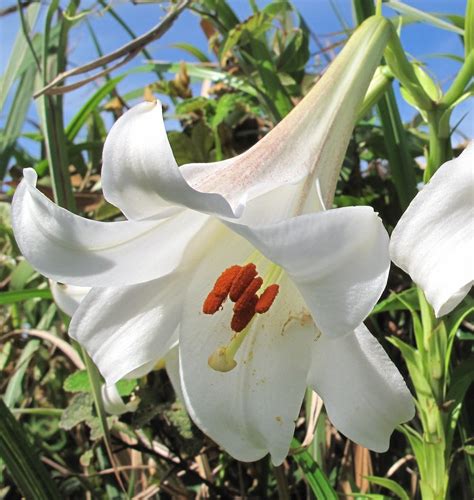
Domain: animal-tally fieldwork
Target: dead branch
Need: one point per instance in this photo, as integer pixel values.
(127, 52)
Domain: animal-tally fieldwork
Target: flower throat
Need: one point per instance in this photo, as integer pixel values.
(240, 284)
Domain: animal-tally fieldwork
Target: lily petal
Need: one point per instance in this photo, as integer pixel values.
(434, 240)
(78, 251)
(172, 369)
(363, 392)
(113, 402)
(140, 174)
(68, 297)
(126, 330)
(338, 260)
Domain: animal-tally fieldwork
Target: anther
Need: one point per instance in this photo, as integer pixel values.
(242, 281)
(248, 294)
(220, 290)
(266, 299)
(243, 317)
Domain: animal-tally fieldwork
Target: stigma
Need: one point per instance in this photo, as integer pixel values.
(241, 284)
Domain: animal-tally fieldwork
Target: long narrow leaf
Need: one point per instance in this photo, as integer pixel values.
(89, 107)
(423, 17)
(16, 117)
(401, 163)
(314, 475)
(22, 461)
(14, 388)
(19, 52)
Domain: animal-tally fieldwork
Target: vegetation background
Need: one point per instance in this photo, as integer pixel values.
(56, 441)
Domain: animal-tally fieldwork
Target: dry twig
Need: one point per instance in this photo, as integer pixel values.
(127, 52)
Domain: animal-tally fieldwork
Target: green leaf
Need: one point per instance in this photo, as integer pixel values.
(461, 378)
(20, 295)
(89, 107)
(191, 49)
(16, 117)
(431, 88)
(183, 147)
(18, 54)
(193, 104)
(79, 410)
(390, 485)
(398, 302)
(314, 475)
(424, 17)
(79, 382)
(22, 460)
(14, 389)
(21, 275)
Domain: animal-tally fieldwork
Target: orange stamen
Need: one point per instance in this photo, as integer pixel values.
(242, 281)
(224, 282)
(220, 290)
(243, 317)
(248, 294)
(212, 303)
(266, 299)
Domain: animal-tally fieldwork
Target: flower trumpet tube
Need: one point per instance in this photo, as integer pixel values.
(264, 290)
(434, 240)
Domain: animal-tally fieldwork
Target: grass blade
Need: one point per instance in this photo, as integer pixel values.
(89, 107)
(423, 17)
(16, 118)
(401, 163)
(19, 52)
(22, 462)
(317, 480)
(14, 296)
(14, 388)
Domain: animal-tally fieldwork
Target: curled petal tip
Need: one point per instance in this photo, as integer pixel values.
(30, 176)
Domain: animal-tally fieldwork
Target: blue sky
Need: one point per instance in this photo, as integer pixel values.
(420, 41)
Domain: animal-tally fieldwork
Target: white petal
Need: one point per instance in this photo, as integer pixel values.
(338, 260)
(250, 410)
(172, 369)
(434, 240)
(68, 297)
(140, 174)
(364, 394)
(71, 249)
(113, 402)
(127, 330)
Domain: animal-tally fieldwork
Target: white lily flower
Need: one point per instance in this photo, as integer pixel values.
(434, 240)
(154, 276)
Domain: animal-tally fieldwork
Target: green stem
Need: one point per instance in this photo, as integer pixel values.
(49, 412)
(460, 82)
(53, 119)
(439, 146)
